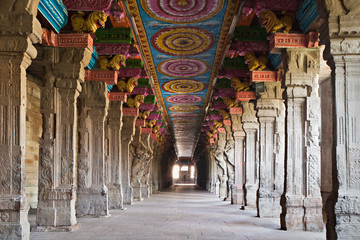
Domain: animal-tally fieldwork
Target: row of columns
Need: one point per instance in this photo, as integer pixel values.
(277, 173)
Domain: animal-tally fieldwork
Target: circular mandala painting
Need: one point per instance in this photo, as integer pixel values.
(183, 41)
(182, 11)
(183, 86)
(184, 108)
(183, 67)
(184, 99)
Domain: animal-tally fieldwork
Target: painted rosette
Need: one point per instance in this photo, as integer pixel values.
(183, 41)
(183, 67)
(183, 86)
(184, 99)
(184, 108)
(182, 11)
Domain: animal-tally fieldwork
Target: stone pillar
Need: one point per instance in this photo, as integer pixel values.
(136, 164)
(145, 179)
(112, 155)
(239, 136)
(271, 115)
(214, 174)
(56, 199)
(343, 208)
(92, 195)
(302, 204)
(156, 168)
(19, 30)
(251, 129)
(229, 154)
(221, 165)
(127, 133)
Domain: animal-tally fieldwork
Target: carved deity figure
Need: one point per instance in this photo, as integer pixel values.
(140, 154)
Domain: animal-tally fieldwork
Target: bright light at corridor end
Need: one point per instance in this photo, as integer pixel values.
(176, 171)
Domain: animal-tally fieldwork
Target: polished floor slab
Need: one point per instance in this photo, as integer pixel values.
(181, 212)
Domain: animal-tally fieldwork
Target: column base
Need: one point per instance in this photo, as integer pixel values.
(250, 196)
(217, 188)
(145, 191)
(10, 231)
(237, 197)
(92, 202)
(136, 192)
(56, 229)
(347, 213)
(128, 195)
(56, 208)
(223, 192)
(269, 207)
(115, 197)
(14, 222)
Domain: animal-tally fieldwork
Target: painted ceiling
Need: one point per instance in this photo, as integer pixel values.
(183, 42)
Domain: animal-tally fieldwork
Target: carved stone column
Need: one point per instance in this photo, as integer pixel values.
(271, 114)
(239, 136)
(230, 158)
(251, 129)
(343, 208)
(112, 154)
(212, 171)
(127, 133)
(92, 196)
(136, 157)
(302, 204)
(19, 30)
(63, 75)
(221, 165)
(156, 168)
(145, 179)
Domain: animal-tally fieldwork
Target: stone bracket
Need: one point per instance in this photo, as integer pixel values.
(75, 40)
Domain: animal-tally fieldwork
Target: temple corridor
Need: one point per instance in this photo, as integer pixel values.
(180, 212)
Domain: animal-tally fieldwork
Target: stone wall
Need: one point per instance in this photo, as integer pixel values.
(33, 135)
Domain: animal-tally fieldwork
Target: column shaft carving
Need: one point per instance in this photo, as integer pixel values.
(112, 155)
(127, 133)
(251, 129)
(156, 168)
(302, 204)
(92, 196)
(214, 180)
(239, 136)
(137, 158)
(271, 115)
(229, 154)
(56, 199)
(145, 179)
(221, 165)
(343, 206)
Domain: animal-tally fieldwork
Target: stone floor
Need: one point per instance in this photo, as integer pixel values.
(182, 212)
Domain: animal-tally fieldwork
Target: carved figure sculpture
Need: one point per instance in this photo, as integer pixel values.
(128, 86)
(91, 24)
(255, 63)
(135, 102)
(230, 102)
(115, 63)
(150, 124)
(273, 24)
(155, 129)
(144, 114)
(240, 85)
(217, 124)
(224, 114)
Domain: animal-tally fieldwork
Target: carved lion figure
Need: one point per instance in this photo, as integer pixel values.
(230, 102)
(255, 63)
(155, 129)
(240, 85)
(217, 124)
(213, 129)
(224, 114)
(144, 114)
(128, 86)
(114, 63)
(273, 24)
(135, 102)
(150, 123)
(91, 24)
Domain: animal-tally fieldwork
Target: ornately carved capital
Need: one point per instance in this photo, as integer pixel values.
(249, 113)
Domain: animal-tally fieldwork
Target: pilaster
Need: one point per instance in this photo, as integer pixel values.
(344, 204)
(238, 197)
(92, 194)
(19, 30)
(56, 199)
(127, 133)
(112, 154)
(271, 115)
(251, 129)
